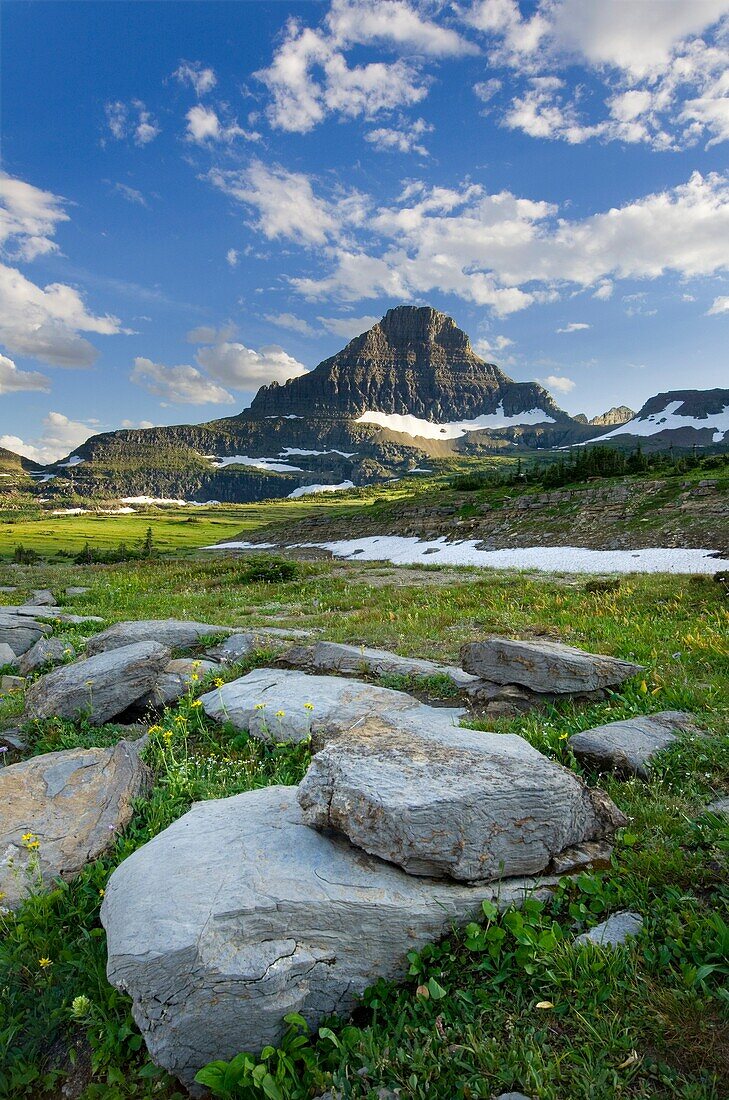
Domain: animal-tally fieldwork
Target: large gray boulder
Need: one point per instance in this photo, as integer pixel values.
(238, 913)
(543, 665)
(100, 687)
(20, 632)
(452, 802)
(354, 660)
(628, 746)
(42, 597)
(46, 651)
(173, 633)
(283, 705)
(61, 810)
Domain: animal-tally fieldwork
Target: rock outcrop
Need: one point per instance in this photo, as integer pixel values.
(100, 687)
(173, 633)
(352, 659)
(61, 810)
(283, 705)
(451, 802)
(544, 666)
(261, 916)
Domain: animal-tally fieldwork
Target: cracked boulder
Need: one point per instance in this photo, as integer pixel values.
(453, 802)
(173, 633)
(283, 705)
(238, 913)
(100, 687)
(544, 666)
(68, 806)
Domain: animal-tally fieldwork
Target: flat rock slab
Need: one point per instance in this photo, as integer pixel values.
(11, 683)
(177, 678)
(7, 655)
(54, 614)
(172, 633)
(719, 807)
(77, 590)
(254, 915)
(544, 666)
(283, 705)
(46, 651)
(99, 687)
(629, 746)
(73, 803)
(614, 931)
(452, 802)
(355, 660)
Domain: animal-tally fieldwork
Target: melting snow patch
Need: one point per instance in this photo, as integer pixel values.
(414, 426)
(303, 490)
(551, 559)
(74, 460)
(271, 465)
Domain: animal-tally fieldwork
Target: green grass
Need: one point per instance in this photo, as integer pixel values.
(650, 1021)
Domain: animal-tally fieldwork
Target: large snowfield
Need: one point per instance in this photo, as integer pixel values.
(551, 559)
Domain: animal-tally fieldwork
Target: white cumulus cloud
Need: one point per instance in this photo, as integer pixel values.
(131, 122)
(573, 326)
(59, 437)
(719, 305)
(180, 385)
(558, 382)
(195, 74)
(245, 369)
(13, 380)
(28, 218)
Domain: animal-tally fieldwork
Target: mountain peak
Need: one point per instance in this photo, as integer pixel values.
(423, 325)
(417, 362)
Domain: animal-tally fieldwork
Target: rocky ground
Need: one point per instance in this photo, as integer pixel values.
(268, 822)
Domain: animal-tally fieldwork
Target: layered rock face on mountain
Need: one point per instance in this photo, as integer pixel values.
(416, 362)
(619, 414)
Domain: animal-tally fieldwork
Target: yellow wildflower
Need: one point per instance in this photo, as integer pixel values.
(260, 706)
(44, 963)
(280, 713)
(218, 681)
(194, 677)
(102, 892)
(308, 706)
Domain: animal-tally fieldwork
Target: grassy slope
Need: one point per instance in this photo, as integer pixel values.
(648, 1022)
(654, 518)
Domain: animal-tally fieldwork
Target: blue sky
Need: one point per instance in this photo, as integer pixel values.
(202, 197)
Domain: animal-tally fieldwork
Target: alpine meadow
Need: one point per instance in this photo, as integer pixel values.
(364, 550)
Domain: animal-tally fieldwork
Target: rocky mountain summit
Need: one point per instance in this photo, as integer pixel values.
(416, 362)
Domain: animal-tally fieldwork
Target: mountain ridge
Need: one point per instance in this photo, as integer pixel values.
(409, 388)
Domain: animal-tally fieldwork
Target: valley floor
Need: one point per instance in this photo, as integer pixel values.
(649, 1021)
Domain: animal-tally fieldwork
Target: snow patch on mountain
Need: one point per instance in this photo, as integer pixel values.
(427, 429)
(270, 465)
